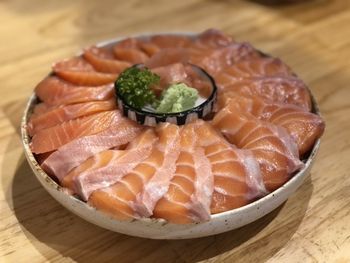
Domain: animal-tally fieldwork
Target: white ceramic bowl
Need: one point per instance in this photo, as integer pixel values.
(159, 228)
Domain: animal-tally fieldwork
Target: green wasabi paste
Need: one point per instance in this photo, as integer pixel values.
(176, 98)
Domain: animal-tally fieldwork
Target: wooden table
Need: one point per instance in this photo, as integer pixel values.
(313, 37)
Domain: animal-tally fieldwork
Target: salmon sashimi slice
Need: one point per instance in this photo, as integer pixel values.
(79, 72)
(171, 41)
(103, 60)
(143, 45)
(149, 48)
(271, 145)
(182, 73)
(216, 60)
(305, 127)
(40, 108)
(71, 155)
(237, 177)
(136, 194)
(131, 55)
(273, 89)
(173, 73)
(108, 167)
(65, 113)
(190, 191)
(54, 137)
(258, 67)
(199, 81)
(212, 38)
(167, 57)
(211, 60)
(54, 91)
(130, 42)
(169, 49)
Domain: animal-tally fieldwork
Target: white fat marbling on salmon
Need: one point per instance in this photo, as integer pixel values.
(230, 167)
(123, 162)
(203, 185)
(55, 91)
(254, 178)
(158, 185)
(303, 126)
(272, 146)
(289, 90)
(60, 114)
(74, 153)
(190, 191)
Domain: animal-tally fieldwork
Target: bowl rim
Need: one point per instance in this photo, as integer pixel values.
(32, 101)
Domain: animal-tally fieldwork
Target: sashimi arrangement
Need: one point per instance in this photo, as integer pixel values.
(174, 127)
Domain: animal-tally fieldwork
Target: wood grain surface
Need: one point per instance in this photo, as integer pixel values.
(313, 37)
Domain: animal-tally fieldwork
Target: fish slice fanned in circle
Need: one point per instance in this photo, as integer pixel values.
(57, 115)
(108, 167)
(258, 67)
(78, 71)
(131, 55)
(305, 127)
(50, 139)
(271, 145)
(54, 91)
(237, 176)
(190, 191)
(130, 197)
(120, 132)
(289, 90)
(103, 60)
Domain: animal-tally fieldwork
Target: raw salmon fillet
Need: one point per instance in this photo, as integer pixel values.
(171, 41)
(108, 167)
(71, 155)
(237, 177)
(168, 56)
(157, 43)
(173, 73)
(305, 127)
(212, 38)
(54, 91)
(211, 60)
(273, 89)
(131, 55)
(65, 113)
(136, 194)
(79, 72)
(103, 60)
(161, 42)
(40, 108)
(216, 60)
(209, 39)
(190, 191)
(130, 42)
(258, 67)
(274, 149)
(199, 81)
(54, 137)
(185, 73)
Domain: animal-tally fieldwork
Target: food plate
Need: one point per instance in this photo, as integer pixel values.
(160, 228)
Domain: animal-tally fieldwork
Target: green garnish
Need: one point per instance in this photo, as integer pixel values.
(134, 84)
(176, 98)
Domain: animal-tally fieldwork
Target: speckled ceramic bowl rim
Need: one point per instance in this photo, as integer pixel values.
(26, 140)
